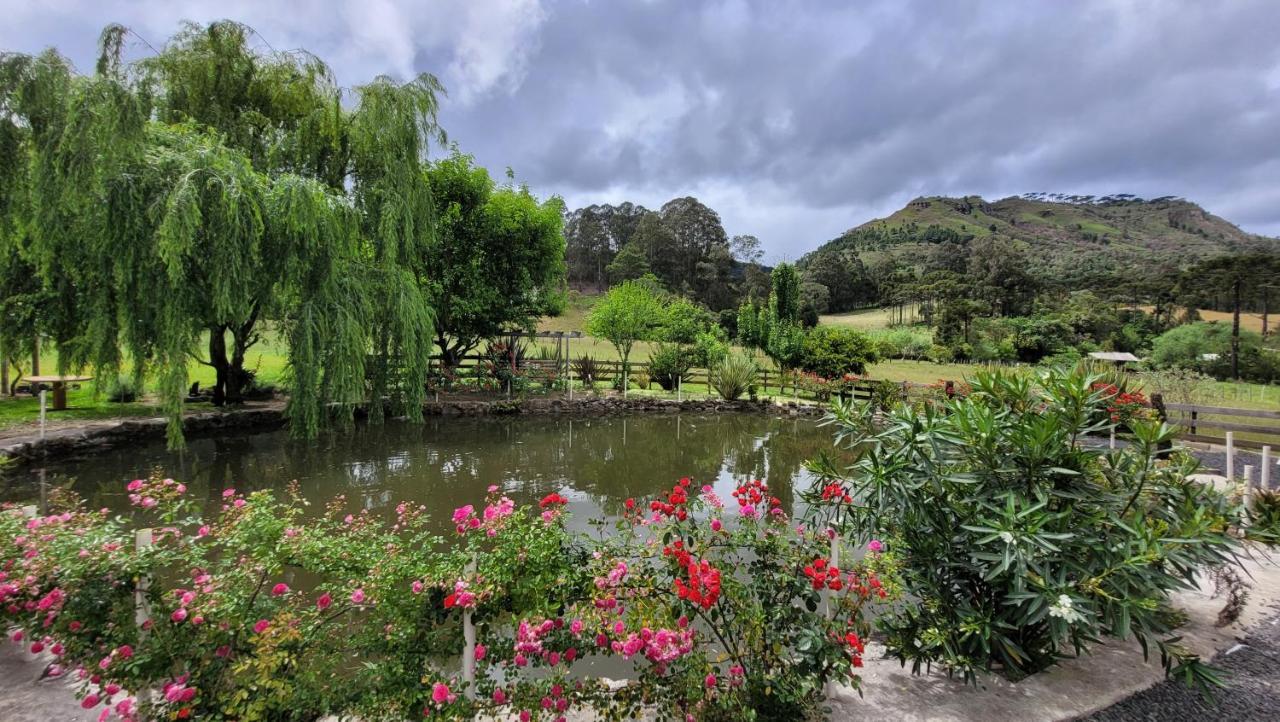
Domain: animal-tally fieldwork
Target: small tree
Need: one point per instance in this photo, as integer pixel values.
(629, 312)
(784, 298)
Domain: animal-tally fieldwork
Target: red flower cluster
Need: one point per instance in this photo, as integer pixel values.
(752, 493)
(834, 492)
(853, 645)
(823, 575)
(1122, 406)
(676, 502)
(552, 500)
(703, 585)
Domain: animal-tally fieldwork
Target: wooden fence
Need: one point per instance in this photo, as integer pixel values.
(1212, 424)
(606, 371)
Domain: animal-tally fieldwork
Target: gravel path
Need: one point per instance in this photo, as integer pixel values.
(1252, 675)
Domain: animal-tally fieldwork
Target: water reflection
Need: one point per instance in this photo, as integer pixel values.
(447, 462)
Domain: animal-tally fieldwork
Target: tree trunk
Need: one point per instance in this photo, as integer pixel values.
(35, 357)
(221, 366)
(1235, 331)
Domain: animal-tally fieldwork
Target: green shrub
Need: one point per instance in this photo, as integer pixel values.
(733, 376)
(668, 363)
(710, 348)
(124, 389)
(586, 370)
(940, 354)
(1036, 546)
(832, 352)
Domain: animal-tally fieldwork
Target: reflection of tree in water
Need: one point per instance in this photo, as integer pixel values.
(448, 461)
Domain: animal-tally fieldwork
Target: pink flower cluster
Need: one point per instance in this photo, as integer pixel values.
(660, 646)
(462, 597)
(495, 511)
(149, 493)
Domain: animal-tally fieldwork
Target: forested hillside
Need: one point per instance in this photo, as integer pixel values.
(1119, 245)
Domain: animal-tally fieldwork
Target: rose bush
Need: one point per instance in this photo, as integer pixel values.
(263, 609)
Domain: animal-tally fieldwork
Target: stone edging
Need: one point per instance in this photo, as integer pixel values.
(94, 436)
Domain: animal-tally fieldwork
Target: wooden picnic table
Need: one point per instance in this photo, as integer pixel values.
(59, 384)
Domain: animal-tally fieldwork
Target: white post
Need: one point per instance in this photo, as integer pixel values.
(568, 377)
(1248, 491)
(1113, 437)
(1231, 456)
(624, 380)
(1265, 481)
(469, 646)
(679, 388)
(142, 608)
(42, 413)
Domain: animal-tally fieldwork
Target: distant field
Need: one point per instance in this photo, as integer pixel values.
(867, 318)
(1248, 321)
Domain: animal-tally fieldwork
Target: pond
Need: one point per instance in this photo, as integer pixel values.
(447, 462)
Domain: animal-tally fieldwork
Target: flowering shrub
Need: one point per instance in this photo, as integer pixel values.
(1038, 545)
(266, 611)
(1122, 405)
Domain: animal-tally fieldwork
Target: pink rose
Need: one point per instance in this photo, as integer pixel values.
(323, 602)
(875, 545)
(416, 587)
(439, 693)
(357, 596)
(179, 615)
(261, 626)
(279, 589)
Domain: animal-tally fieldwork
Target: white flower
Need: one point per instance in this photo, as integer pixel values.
(1065, 610)
(1007, 537)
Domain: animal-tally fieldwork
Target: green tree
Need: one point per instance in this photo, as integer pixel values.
(831, 352)
(629, 312)
(630, 263)
(784, 298)
(189, 198)
(498, 261)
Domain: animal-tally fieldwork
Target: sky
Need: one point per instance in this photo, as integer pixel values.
(797, 120)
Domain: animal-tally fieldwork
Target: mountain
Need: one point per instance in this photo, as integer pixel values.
(1071, 240)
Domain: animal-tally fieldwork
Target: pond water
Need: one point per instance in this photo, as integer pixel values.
(447, 462)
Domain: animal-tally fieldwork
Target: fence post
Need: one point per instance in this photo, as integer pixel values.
(1231, 455)
(680, 388)
(1113, 437)
(1265, 481)
(1194, 415)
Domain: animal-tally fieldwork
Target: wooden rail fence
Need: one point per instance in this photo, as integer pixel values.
(1261, 426)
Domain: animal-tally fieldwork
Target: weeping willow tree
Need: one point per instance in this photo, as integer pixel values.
(178, 208)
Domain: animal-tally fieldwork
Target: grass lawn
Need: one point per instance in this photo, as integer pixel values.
(865, 319)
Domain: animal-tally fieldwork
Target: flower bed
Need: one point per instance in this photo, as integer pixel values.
(264, 611)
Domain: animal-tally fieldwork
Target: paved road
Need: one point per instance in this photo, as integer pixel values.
(1252, 693)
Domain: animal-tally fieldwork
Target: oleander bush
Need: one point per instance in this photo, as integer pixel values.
(1022, 543)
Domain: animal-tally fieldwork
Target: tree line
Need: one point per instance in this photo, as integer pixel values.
(175, 209)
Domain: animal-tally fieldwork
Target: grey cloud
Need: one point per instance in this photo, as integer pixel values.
(798, 119)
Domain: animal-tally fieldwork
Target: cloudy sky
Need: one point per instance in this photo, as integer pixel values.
(797, 120)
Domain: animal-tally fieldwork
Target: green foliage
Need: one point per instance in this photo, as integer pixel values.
(733, 376)
(586, 370)
(668, 363)
(1038, 546)
(683, 320)
(709, 348)
(784, 297)
(1187, 346)
(629, 312)
(498, 260)
(832, 351)
(210, 187)
(124, 389)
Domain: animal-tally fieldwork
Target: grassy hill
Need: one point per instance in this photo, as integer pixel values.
(1068, 237)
